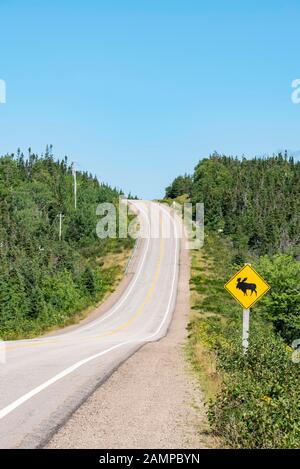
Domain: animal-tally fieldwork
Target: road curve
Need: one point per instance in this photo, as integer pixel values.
(44, 380)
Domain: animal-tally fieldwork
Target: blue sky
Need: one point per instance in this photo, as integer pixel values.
(138, 91)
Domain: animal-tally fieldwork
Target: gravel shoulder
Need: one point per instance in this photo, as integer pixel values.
(151, 401)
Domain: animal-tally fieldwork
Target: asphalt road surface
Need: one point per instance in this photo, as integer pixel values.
(44, 380)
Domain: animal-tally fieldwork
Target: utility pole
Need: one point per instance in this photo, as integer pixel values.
(75, 186)
(60, 225)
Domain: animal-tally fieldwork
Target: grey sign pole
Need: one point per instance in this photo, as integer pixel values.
(246, 321)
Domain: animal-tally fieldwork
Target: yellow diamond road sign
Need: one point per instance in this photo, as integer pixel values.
(247, 286)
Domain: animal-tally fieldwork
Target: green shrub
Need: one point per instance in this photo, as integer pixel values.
(282, 304)
(259, 405)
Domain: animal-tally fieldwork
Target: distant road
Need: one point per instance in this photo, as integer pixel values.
(46, 379)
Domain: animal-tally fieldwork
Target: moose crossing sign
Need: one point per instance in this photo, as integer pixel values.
(247, 286)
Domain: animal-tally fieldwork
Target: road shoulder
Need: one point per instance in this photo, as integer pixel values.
(151, 401)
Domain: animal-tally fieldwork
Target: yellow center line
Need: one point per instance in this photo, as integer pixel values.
(149, 293)
(130, 321)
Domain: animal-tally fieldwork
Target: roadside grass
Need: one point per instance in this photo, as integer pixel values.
(211, 309)
(111, 264)
(252, 400)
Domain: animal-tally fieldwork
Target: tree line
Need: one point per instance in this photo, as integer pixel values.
(255, 201)
(45, 280)
(255, 204)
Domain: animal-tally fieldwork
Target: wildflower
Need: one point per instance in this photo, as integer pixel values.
(266, 398)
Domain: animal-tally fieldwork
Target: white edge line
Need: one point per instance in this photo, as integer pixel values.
(109, 312)
(124, 298)
(173, 280)
(8, 409)
(17, 403)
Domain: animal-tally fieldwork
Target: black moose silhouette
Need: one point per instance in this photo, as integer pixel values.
(242, 285)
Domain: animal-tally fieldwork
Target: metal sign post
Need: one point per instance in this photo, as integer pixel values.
(246, 321)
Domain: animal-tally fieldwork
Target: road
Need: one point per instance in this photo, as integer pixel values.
(44, 380)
